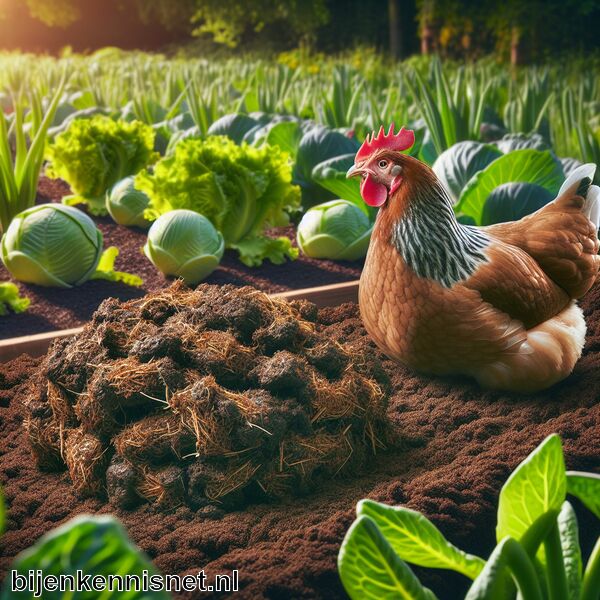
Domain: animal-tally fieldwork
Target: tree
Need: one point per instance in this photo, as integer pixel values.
(55, 13)
(228, 20)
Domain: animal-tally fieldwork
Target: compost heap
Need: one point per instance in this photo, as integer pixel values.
(214, 397)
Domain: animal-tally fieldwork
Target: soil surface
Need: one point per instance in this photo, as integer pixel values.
(53, 308)
(456, 443)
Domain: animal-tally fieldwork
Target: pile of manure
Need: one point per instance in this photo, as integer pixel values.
(213, 398)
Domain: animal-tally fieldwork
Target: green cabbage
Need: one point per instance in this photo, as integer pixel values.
(513, 201)
(242, 190)
(539, 167)
(126, 205)
(456, 165)
(93, 154)
(52, 245)
(58, 246)
(317, 145)
(337, 230)
(184, 244)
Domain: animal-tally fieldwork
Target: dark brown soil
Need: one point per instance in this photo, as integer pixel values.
(458, 445)
(53, 308)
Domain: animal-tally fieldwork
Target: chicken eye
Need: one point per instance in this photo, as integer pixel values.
(383, 164)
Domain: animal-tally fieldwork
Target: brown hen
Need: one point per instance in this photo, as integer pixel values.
(496, 303)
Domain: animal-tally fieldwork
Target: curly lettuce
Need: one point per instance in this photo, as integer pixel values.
(242, 190)
(91, 155)
(10, 298)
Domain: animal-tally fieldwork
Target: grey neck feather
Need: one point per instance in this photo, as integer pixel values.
(433, 243)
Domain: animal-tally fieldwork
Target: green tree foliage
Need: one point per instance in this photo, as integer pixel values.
(526, 31)
(55, 13)
(228, 20)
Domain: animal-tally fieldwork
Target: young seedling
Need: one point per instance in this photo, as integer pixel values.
(537, 557)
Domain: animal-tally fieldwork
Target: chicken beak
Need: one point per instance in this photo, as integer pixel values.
(353, 171)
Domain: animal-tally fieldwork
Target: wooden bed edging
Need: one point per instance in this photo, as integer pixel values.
(38, 344)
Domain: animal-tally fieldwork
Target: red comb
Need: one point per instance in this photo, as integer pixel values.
(402, 140)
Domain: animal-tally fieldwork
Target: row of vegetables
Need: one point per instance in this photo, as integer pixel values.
(203, 184)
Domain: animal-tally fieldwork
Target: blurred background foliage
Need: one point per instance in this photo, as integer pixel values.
(522, 32)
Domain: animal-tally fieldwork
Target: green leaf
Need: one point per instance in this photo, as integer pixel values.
(316, 146)
(508, 558)
(526, 166)
(95, 545)
(591, 577)
(417, 540)
(536, 486)
(370, 570)
(569, 541)
(586, 487)
(286, 135)
(331, 174)
(455, 166)
(513, 201)
(10, 298)
(254, 249)
(106, 269)
(234, 126)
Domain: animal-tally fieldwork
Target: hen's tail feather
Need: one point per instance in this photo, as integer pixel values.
(591, 207)
(548, 355)
(579, 183)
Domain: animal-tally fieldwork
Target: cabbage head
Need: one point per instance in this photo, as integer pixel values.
(337, 230)
(52, 245)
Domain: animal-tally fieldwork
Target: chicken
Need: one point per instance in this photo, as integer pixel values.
(494, 303)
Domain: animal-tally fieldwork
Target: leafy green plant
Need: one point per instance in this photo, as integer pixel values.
(528, 105)
(513, 201)
(456, 165)
(537, 555)
(33, 248)
(94, 545)
(234, 126)
(337, 230)
(126, 204)
(520, 166)
(183, 243)
(317, 145)
(93, 154)
(331, 174)
(452, 112)
(20, 170)
(10, 298)
(242, 190)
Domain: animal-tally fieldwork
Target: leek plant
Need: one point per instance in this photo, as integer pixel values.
(529, 101)
(452, 111)
(573, 135)
(20, 167)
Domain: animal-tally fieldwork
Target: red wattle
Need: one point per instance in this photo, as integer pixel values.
(373, 193)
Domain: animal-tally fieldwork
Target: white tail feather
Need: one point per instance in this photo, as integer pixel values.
(591, 208)
(572, 181)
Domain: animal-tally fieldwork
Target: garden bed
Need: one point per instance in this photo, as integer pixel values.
(453, 446)
(54, 309)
